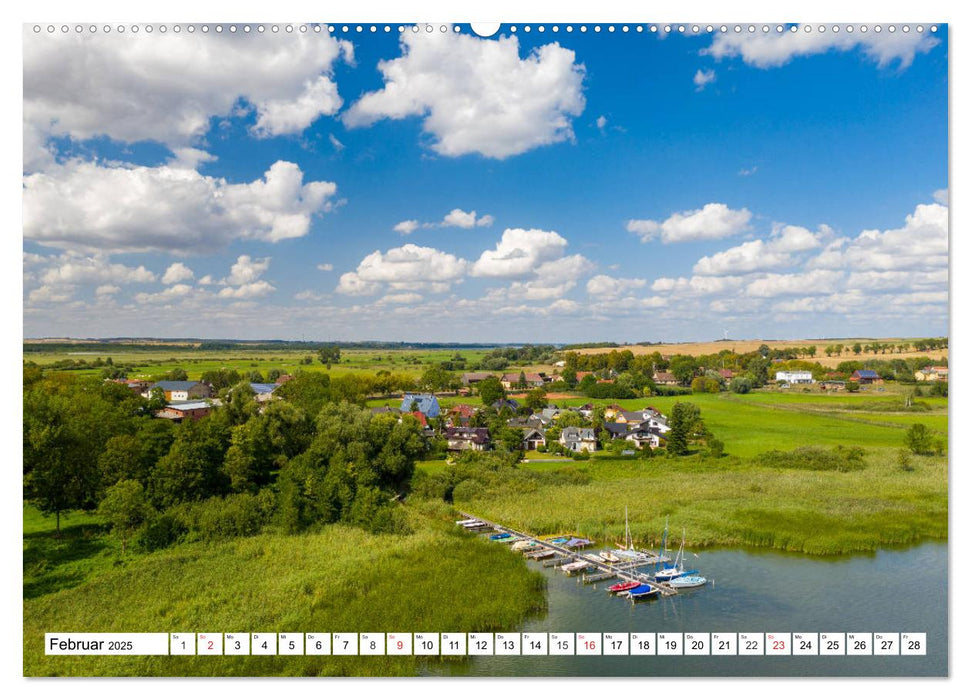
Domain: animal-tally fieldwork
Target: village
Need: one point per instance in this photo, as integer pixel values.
(545, 427)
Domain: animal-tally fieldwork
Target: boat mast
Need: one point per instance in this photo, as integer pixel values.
(664, 541)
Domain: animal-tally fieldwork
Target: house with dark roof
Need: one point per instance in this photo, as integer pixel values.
(382, 410)
(866, 376)
(473, 378)
(425, 403)
(533, 438)
(615, 430)
(181, 391)
(579, 439)
(637, 433)
(511, 404)
(462, 438)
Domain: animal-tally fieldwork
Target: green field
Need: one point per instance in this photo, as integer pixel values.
(729, 502)
(733, 501)
(145, 363)
(338, 580)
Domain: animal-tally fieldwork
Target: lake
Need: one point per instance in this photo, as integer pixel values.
(751, 591)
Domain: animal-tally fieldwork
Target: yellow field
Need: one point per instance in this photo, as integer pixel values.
(742, 346)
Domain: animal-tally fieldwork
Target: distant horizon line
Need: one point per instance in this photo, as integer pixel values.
(591, 343)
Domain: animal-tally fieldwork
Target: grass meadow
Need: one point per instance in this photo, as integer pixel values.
(734, 501)
(338, 580)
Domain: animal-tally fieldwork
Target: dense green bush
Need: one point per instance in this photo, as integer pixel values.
(838, 459)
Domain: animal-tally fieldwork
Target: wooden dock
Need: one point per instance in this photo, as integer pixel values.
(623, 571)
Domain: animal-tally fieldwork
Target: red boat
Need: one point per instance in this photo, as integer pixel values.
(621, 587)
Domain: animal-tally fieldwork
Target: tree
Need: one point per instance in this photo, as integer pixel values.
(570, 377)
(569, 419)
(67, 423)
(491, 390)
(536, 399)
(852, 386)
(683, 369)
(521, 382)
(328, 355)
(156, 401)
(740, 385)
(759, 369)
(763, 350)
(918, 439)
(220, 379)
(857, 348)
(685, 419)
(125, 507)
(192, 469)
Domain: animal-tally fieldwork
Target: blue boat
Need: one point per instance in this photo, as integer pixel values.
(500, 536)
(642, 591)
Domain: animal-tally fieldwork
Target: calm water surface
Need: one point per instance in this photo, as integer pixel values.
(888, 591)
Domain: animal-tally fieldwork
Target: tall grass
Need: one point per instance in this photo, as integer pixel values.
(732, 502)
(340, 580)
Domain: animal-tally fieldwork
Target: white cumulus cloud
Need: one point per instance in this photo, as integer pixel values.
(466, 219)
(136, 87)
(70, 270)
(177, 272)
(774, 253)
(607, 287)
(408, 227)
(169, 294)
(247, 269)
(409, 267)
(812, 282)
(477, 95)
(773, 49)
(712, 221)
(87, 206)
(921, 244)
(249, 290)
(519, 252)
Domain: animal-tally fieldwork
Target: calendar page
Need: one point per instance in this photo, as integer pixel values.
(457, 349)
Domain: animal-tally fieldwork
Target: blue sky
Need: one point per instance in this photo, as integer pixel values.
(526, 187)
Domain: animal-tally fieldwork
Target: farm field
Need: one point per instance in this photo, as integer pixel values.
(743, 346)
(195, 362)
(338, 580)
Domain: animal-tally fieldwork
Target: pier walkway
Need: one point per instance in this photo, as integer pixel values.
(622, 571)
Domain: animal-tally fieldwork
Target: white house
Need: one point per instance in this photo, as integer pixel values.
(794, 377)
(579, 439)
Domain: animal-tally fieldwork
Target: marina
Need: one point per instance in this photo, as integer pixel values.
(624, 563)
